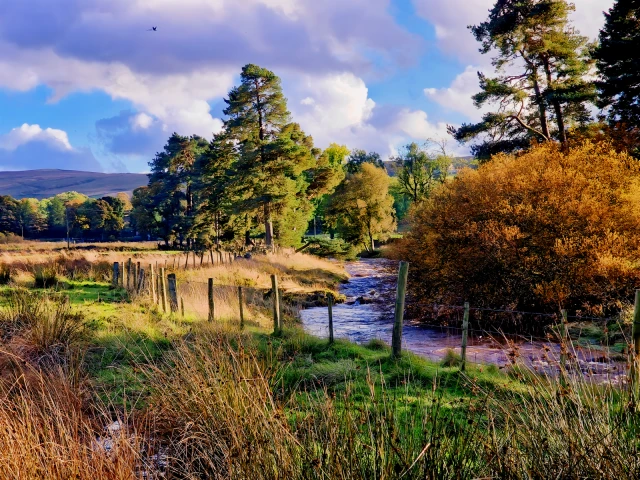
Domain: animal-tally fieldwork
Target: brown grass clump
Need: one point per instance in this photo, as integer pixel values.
(44, 433)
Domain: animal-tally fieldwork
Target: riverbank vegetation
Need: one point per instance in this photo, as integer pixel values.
(95, 383)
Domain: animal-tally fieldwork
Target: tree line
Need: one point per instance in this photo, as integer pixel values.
(262, 177)
(70, 212)
(549, 79)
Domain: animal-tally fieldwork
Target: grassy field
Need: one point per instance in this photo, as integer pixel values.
(98, 383)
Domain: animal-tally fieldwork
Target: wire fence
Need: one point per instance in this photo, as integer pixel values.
(600, 353)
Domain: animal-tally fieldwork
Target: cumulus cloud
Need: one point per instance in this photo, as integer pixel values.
(337, 108)
(30, 146)
(170, 76)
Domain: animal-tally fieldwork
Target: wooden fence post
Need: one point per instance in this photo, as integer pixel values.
(173, 292)
(116, 273)
(465, 336)
(152, 283)
(129, 274)
(140, 280)
(396, 339)
(210, 295)
(182, 306)
(563, 344)
(277, 325)
(121, 278)
(330, 305)
(635, 360)
(241, 308)
(163, 290)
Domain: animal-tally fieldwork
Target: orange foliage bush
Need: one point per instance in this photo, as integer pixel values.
(542, 230)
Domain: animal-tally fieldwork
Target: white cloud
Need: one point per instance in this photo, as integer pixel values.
(457, 97)
(141, 121)
(337, 108)
(34, 133)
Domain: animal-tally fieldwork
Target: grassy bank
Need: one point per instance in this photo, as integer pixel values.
(96, 383)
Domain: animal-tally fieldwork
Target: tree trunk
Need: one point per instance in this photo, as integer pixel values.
(556, 106)
(268, 225)
(542, 109)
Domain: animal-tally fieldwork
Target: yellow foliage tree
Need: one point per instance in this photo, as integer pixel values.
(361, 209)
(542, 230)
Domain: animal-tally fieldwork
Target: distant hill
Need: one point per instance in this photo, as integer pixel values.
(47, 183)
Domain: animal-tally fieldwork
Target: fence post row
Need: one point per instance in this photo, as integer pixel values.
(396, 339)
(173, 292)
(635, 360)
(210, 295)
(465, 334)
(330, 306)
(277, 325)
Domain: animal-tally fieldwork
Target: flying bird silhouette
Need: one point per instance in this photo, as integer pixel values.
(153, 29)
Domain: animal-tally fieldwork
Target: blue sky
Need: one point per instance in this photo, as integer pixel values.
(84, 85)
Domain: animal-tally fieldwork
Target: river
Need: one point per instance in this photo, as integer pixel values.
(369, 311)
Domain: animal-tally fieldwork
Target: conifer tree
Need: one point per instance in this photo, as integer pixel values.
(619, 64)
(275, 156)
(540, 88)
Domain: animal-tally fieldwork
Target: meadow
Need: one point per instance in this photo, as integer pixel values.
(98, 382)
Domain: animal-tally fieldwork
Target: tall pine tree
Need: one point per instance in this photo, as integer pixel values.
(275, 156)
(619, 65)
(541, 88)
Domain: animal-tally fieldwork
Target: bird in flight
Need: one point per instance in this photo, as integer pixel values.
(153, 29)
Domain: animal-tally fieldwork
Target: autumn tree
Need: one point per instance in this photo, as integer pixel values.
(30, 219)
(537, 232)
(540, 88)
(361, 208)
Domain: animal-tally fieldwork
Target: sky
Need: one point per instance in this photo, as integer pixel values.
(86, 85)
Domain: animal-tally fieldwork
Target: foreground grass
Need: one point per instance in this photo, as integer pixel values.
(205, 400)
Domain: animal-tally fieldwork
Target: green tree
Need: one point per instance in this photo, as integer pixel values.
(619, 64)
(171, 181)
(358, 157)
(361, 208)
(541, 88)
(215, 219)
(30, 219)
(275, 156)
(420, 170)
(8, 214)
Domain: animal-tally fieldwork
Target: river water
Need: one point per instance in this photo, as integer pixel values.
(368, 314)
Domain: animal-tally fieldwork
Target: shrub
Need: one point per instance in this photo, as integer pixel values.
(6, 274)
(45, 275)
(542, 230)
(451, 359)
(45, 324)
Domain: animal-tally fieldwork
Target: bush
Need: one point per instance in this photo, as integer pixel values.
(46, 325)
(337, 248)
(6, 274)
(45, 275)
(538, 231)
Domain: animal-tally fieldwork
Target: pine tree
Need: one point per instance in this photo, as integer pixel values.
(541, 88)
(619, 65)
(171, 180)
(274, 154)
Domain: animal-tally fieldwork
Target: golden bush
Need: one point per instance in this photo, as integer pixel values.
(542, 230)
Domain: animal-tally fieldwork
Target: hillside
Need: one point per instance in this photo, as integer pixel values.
(47, 183)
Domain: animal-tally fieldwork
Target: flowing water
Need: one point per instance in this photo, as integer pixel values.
(368, 314)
